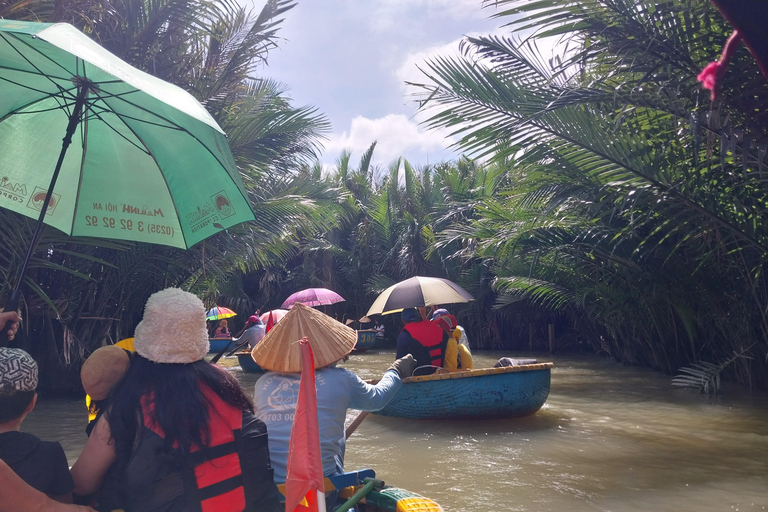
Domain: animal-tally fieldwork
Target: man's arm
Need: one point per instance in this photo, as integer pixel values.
(17, 496)
(369, 397)
(404, 340)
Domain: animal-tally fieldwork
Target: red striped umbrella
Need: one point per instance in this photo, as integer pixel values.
(313, 297)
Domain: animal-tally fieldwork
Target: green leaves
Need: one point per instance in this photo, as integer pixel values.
(632, 204)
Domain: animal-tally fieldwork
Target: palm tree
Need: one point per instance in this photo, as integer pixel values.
(638, 202)
(88, 292)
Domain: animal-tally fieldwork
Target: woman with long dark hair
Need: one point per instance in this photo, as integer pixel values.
(179, 432)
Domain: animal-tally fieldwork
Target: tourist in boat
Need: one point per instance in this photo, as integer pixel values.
(422, 338)
(253, 333)
(180, 430)
(338, 389)
(437, 312)
(457, 356)
(378, 326)
(222, 331)
(42, 464)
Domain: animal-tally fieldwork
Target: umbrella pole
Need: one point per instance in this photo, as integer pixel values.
(14, 298)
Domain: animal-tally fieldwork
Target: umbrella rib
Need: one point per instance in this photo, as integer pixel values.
(48, 95)
(23, 56)
(28, 72)
(181, 128)
(84, 135)
(36, 50)
(97, 115)
(18, 113)
(152, 156)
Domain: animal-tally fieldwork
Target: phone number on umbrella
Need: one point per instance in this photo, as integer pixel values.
(128, 225)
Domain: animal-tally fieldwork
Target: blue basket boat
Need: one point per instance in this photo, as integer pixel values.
(247, 363)
(366, 339)
(507, 392)
(218, 344)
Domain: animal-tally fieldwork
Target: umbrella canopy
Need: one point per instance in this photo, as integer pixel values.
(219, 313)
(416, 292)
(313, 297)
(148, 162)
(277, 314)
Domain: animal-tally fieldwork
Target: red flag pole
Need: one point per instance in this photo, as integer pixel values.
(304, 483)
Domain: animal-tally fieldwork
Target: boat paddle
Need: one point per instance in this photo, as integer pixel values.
(238, 347)
(356, 423)
(221, 353)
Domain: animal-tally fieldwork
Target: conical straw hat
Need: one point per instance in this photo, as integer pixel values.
(279, 350)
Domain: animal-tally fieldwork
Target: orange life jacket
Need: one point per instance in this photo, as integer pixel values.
(429, 342)
(231, 474)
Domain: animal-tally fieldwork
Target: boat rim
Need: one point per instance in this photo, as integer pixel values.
(462, 374)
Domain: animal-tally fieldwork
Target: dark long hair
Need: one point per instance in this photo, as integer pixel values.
(180, 407)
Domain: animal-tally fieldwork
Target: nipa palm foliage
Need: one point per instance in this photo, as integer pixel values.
(635, 203)
(83, 293)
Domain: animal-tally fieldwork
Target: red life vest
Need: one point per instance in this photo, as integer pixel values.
(429, 342)
(231, 474)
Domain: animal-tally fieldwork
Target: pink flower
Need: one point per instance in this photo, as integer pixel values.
(709, 75)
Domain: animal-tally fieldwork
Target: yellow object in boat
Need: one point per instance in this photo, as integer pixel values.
(126, 344)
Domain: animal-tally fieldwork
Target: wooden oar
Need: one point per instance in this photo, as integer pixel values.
(218, 356)
(240, 346)
(356, 423)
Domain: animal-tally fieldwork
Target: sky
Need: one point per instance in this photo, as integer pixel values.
(350, 59)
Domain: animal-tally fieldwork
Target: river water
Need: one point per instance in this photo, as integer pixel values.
(610, 438)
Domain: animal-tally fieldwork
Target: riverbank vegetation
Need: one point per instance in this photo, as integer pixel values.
(603, 191)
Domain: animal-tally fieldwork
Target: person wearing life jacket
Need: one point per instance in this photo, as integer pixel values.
(180, 431)
(423, 339)
(457, 356)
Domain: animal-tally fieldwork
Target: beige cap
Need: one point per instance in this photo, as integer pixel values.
(279, 350)
(103, 370)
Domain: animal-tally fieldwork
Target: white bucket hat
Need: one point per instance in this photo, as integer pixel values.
(173, 328)
(279, 350)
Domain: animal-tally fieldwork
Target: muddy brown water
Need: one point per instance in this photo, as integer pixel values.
(610, 438)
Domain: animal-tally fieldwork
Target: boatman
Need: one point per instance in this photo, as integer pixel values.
(424, 339)
(338, 389)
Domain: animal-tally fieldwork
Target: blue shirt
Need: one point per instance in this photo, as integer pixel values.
(253, 334)
(337, 390)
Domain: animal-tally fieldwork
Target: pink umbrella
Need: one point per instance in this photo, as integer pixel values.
(313, 297)
(277, 314)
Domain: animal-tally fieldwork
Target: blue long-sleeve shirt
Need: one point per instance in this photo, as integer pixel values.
(337, 390)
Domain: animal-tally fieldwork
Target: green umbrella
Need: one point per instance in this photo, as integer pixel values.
(147, 162)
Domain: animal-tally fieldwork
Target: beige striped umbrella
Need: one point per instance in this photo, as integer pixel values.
(279, 350)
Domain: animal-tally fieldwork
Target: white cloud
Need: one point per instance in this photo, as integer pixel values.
(388, 14)
(396, 136)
